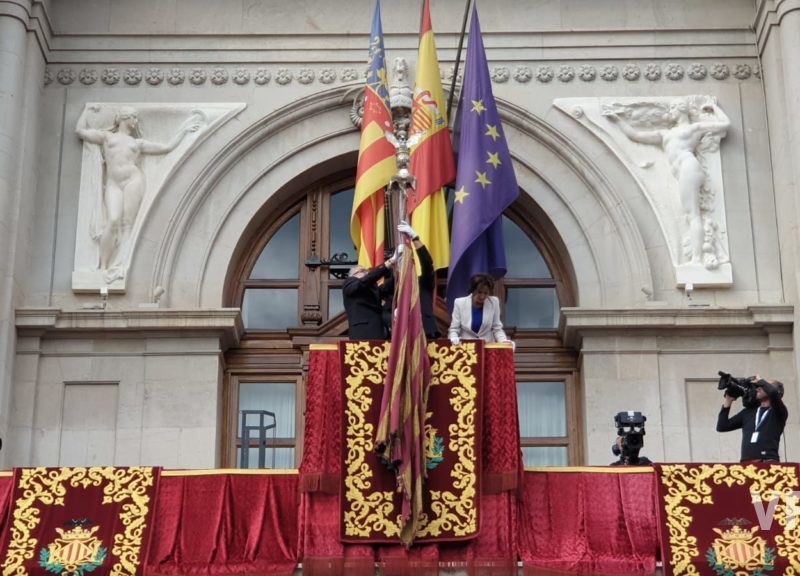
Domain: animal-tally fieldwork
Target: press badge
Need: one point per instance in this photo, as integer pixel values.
(754, 438)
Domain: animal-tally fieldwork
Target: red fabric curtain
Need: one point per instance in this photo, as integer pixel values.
(600, 521)
(502, 455)
(6, 487)
(225, 523)
(322, 445)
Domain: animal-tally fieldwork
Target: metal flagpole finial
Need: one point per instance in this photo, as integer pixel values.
(401, 99)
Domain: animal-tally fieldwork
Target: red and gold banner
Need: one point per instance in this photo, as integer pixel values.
(729, 519)
(77, 521)
(370, 504)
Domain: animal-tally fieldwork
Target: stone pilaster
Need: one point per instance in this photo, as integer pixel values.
(13, 51)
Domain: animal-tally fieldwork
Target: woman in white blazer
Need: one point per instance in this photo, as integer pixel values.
(477, 315)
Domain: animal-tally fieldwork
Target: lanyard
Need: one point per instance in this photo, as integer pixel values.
(760, 417)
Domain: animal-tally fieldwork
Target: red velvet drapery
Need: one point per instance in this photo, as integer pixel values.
(588, 521)
(225, 522)
(565, 521)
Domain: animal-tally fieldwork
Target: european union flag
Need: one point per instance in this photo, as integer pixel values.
(485, 180)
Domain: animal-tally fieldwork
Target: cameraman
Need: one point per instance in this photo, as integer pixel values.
(761, 424)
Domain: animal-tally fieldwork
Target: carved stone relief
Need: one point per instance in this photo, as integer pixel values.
(671, 146)
(129, 151)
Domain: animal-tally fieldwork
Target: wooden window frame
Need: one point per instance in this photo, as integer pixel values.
(230, 415)
(573, 441)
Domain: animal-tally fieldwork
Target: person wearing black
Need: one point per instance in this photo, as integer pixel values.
(363, 299)
(626, 459)
(427, 281)
(761, 425)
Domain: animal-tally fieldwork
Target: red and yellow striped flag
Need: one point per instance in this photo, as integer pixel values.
(376, 161)
(400, 438)
(432, 161)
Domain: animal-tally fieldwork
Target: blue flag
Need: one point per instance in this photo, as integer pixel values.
(485, 180)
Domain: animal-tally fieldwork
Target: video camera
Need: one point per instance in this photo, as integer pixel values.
(630, 428)
(744, 388)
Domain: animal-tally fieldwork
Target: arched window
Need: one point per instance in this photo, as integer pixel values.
(289, 289)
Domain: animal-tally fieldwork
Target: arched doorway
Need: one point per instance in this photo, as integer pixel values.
(288, 285)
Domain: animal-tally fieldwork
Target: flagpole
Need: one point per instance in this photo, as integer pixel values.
(458, 61)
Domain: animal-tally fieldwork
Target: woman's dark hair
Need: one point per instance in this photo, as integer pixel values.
(479, 281)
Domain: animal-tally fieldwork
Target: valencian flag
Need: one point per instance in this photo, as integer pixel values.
(432, 161)
(486, 184)
(399, 440)
(376, 161)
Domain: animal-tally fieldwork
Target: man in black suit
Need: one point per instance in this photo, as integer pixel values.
(363, 300)
(762, 425)
(427, 281)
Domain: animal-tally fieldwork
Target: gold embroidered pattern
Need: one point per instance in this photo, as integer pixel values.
(456, 512)
(367, 512)
(49, 486)
(692, 485)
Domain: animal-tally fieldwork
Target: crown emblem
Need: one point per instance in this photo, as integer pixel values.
(739, 549)
(74, 552)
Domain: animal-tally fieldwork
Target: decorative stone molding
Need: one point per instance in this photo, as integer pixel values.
(283, 76)
(87, 76)
(156, 138)
(681, 177)
(609, 73)
(262, 76)
(523, 74)
(565, 73)
(631, 72)
(674, 71)
(762, 319)
(327, 75)
(154, 76)
(307, 75)
(349, 75)
(697, 71)
(133, 76)
(501, 74)
(720, 71)
(176, 76)
(544, 74)
(652, 72)
(742, 71)
(219, 76)
(197, 76)
(241, 76)
(224, 323)
(587, 73)
(66, 76)
(110, 76)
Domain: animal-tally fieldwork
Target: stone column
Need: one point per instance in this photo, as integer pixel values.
(13, 43)
(789, 30)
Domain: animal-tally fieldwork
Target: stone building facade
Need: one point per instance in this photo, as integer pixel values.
(656, 146)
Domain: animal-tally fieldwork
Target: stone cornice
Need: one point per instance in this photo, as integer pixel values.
(769, 15)
(225, 323)
(578, 322)
(34, 16)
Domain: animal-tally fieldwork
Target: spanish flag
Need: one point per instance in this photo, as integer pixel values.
(432, 161)
(376, 160)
